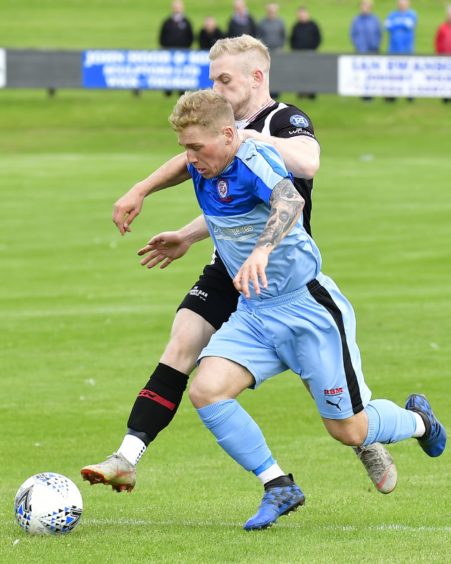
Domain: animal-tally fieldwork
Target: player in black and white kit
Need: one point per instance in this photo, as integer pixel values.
(239, 69)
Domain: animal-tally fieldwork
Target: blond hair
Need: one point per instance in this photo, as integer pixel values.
(204, 108)
(247, 45)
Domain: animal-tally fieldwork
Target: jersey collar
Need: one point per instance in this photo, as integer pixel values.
(243, 123)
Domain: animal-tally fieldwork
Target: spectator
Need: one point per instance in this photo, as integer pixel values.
(241, 21)
(443, 39)
(271, 29)
(176, 32)
(400, 25)
(272, 32)
(305, 36)
(209, 33)
(443, 35)
(366, 30)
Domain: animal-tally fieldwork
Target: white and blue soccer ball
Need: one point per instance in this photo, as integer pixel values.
(48, 504)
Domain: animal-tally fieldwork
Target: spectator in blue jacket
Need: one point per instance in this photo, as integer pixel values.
(400, 26)
(366, 30)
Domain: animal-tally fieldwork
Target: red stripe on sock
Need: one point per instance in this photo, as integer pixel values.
(155, 397)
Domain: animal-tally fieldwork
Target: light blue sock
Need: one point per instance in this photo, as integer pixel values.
(238, 434)
(388, 423)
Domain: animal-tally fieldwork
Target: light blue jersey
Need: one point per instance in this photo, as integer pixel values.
(236, 207)
(301, 321)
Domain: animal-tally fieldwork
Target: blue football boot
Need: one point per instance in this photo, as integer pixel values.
(433, 442)
(278, 500)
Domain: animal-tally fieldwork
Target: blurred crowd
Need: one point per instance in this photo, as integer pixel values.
(365, 32)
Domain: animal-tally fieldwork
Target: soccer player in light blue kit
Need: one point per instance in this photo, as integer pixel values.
(290, 315)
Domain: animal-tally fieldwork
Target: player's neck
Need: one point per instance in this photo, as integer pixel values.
(257, 106)
(232, 152)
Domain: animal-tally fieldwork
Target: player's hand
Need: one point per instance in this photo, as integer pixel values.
(163, 249)
(126, 209)
(252, 271)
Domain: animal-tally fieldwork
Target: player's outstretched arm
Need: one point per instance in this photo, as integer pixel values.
(168, 246)
(286, 208)
(301, 154)
(171, 173)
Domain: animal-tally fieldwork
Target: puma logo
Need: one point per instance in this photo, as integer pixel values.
(337, 405)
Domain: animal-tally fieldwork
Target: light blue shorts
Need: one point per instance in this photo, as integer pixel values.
(310, 331)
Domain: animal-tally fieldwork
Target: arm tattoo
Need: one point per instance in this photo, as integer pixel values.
(286, 207)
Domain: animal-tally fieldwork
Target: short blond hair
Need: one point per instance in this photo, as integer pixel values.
(204, 108)
(247, 45)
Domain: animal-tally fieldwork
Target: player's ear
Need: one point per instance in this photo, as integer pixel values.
(257, 77)
(229, 134)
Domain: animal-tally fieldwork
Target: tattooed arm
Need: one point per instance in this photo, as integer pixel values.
(286, 207)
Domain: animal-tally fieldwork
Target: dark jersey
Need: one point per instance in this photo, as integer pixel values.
(286, 121)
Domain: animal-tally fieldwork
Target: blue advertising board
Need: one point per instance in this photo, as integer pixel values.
(154, 70)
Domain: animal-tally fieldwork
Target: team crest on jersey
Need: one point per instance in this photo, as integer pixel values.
(299, 121)
(223, 190)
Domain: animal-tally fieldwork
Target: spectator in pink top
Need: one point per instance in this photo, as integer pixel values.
(443, 39)
(443, 35)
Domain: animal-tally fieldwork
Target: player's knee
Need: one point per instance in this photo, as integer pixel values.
(206, 389)
(190, 334)
(181, 354)
(347, 435)
(200, 393)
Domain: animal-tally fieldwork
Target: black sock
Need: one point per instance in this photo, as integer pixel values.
(280, 482)
(157, 403)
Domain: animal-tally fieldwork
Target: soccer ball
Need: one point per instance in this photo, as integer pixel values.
(48, 503)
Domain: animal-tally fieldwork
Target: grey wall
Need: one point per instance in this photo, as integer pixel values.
(43, 69)
(290, 72)
(303, 72)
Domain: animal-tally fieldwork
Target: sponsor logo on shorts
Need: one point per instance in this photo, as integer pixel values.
(196, 291)
(223, 190)
(333, 392)
(299, 121)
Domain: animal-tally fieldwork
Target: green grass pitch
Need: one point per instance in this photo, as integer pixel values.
(83, 325)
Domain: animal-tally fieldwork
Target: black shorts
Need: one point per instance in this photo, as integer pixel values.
(213, 296)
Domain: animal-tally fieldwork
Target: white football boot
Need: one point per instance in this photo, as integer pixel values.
(116, 471)
(379, 465)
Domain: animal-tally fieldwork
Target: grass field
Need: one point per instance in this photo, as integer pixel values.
(83, 324)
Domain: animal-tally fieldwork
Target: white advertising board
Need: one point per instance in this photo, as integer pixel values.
(422, 77)
(2, 68)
